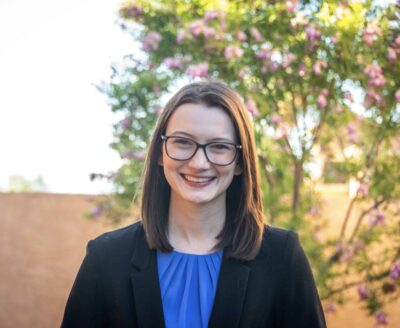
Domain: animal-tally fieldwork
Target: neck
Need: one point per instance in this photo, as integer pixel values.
(193, 228)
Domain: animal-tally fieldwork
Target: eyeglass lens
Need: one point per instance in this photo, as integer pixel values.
(217, 152)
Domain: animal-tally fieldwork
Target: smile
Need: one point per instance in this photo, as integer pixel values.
(197, 179)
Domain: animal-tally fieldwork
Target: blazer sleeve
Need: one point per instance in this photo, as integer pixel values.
(85, 302)
(300, 303)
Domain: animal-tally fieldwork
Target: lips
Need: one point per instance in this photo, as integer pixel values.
(196, 179)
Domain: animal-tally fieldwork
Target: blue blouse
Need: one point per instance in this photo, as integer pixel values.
(188, 284)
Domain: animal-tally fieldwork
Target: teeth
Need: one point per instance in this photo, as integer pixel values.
(193, 179)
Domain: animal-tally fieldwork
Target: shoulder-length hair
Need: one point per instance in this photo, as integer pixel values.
(242, 233)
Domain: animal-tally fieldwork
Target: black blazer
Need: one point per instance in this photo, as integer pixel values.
(117, 286)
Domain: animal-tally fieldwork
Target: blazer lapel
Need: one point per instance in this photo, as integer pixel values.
(146, 287)
(231, 290)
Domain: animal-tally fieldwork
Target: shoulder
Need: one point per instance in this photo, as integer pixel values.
(278, 237)
(278, 244)
(122, 239)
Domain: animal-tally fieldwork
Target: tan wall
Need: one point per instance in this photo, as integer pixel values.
(42, 243)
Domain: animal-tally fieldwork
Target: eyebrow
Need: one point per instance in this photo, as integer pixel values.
(188, 135)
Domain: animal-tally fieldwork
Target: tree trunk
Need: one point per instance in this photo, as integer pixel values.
(298, 180)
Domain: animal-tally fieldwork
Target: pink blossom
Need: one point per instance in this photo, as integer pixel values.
(96, 211)
(377, 81)
(291, 5)
(315, 211)
(397, 96)
(321, 101)
(352, 133)
(126, 122)
(268, 67)
(349, 251)
(256, 34)
(180, 37)
(317, 67)
(335, 38)
(331, 307)
(388, 288)
(377, 218)
(363, 292)
(173, 63)
(197, 27)
(133, 10)
(397, 40)
(252, 107)
(276, 119)
(370, 34)
(241, 36)
(313, 34)
(381, 318)
(325, 92)
(395, 271)
(391, 56)
(210, 15)
(371, 97)
(281, 132)
(301, 70)
(151, 41)
(127, 154)
(208, 32)
(288, 59)
(199, 70)
(243, 71)
(374, 72)
(363, 189)
(347, 255)
(139, 155)
(264, 54)
(368, 39)
(233, 52)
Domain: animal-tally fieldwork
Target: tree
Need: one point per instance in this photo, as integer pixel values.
(320, 79)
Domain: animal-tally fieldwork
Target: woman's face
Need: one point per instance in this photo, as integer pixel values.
(196, 180)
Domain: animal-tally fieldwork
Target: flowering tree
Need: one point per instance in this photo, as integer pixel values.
(320, 80)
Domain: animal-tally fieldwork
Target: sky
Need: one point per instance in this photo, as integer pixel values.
(54, 123)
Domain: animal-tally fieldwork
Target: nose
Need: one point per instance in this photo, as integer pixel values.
(199, 160)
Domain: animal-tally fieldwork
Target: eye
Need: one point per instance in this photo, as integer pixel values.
(220, 146)
(181, 141)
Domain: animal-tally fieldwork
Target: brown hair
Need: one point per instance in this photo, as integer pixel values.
(242, 233)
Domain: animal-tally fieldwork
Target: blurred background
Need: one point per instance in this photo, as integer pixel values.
(79, 76)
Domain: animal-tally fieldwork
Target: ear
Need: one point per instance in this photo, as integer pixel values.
(238, 169)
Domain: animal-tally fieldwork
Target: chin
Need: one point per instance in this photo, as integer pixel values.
(198, 200)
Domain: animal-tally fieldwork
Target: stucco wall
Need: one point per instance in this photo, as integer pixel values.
(42, 243)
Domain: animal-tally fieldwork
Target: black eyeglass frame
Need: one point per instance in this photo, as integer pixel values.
(203, 146)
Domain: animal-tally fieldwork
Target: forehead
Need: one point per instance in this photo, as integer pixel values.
(201, 121)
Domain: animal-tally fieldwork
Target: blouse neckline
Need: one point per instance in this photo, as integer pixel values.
(197, 255)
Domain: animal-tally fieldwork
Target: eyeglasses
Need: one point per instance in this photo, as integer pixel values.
(183, 149)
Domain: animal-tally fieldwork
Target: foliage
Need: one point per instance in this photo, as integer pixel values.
(19, 183)
(320, 79)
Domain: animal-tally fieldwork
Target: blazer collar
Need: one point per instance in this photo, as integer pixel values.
(145, 283)
(231, 291)
(229, 298)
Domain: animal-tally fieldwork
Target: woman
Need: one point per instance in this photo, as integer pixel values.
(201, 256)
